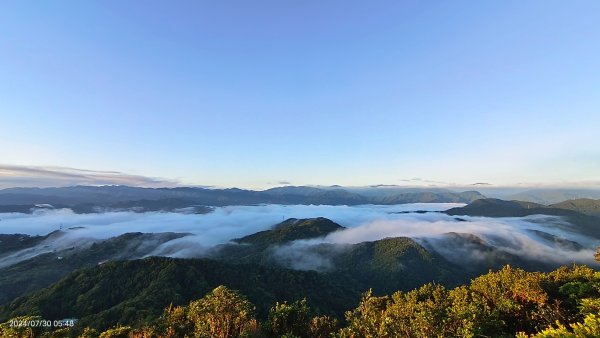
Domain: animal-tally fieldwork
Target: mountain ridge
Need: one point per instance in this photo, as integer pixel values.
(493, 207)
(84, 198)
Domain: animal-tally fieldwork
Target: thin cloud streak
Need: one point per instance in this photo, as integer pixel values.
(51, 176)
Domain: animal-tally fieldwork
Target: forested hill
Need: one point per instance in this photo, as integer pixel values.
(385, 265)
(292, 229)
(137, 290)
(56, 257)
(510, 302)
(584, 205)
(491, 207)
(131, 291)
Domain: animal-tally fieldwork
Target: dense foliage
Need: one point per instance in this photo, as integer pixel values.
(165, 297)
(138, 290)
(292, 229)
(44, 269)
(385, 266)
(576, 212)
(506, 303)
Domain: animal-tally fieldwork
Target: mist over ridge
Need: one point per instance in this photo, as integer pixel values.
(533, 237)
(384, 247)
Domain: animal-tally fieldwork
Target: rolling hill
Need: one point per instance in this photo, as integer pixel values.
(138, 290)
(52, 264)
(586, 206)
(491, 207)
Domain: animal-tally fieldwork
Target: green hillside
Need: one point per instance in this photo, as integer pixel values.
(385, 265)
(292, 229)
(394, 264)
(491, 207)
(249, 301)
(42, 270)
(14, 242)
(138, 290)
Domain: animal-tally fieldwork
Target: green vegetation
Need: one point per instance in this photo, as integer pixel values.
(138, 290)
(42, 270)
(497, 304)
(393, 264)
(385, 265)
(491, 207)
(293, 320)
(130, 291)
(292, 229)
(506, 303)
(247, 293)
(222, 313)
(10, 243)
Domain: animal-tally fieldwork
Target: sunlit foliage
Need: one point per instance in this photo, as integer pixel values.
(505, 303)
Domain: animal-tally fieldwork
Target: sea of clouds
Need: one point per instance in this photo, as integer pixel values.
(363, 223)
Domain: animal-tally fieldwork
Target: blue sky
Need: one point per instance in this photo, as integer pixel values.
(252, 93)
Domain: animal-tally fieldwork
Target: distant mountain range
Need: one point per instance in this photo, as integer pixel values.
(549, 196)
(87, 199)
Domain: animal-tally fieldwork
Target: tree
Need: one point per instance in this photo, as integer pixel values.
(175, 322)
(366, 319)
(89, 333)
(10, 329)
(512, 300)
(589, 328)
(322, 326)
(222, 313)
(429, 311)
(291, 319)
(117, 332)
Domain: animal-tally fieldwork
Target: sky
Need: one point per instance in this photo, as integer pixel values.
(255, 93)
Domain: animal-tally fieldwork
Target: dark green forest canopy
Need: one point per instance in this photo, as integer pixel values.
(503, 303)
(127, 291)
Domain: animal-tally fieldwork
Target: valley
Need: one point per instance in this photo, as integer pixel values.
(330, 260)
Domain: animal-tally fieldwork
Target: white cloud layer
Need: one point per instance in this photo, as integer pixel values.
(519, 236)
(364, 223)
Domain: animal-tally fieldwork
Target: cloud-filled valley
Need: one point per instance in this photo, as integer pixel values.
(538, 237)
(464, 240)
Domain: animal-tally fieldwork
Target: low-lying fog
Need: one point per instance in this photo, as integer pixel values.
(525, 236)
(216, 227)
